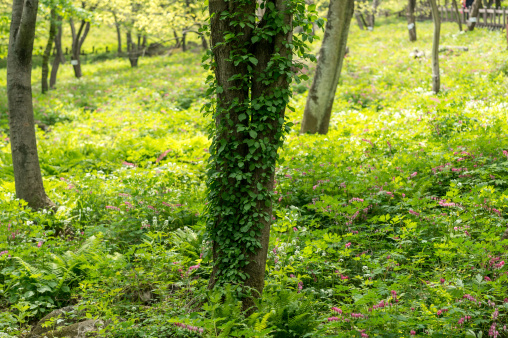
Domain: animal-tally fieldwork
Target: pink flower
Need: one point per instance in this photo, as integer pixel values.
(333, 319)
(348, 245)
(295, 229)
(414, 174)
(39, 244)
(300, 286)
(487, 278)
(112, 207)
(442, 280)
(336, 309)
(439, 312)
(413, 333)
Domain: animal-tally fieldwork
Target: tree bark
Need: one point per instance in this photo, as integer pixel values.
(47, 51)
(473, 17)
(411, 22)
(27, 172)
(436, 79)
(59, 57)
(318, 109)
(244, 91)
(457, 14)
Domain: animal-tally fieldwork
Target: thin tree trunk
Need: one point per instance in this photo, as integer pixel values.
(360, 20)
(373, 13)
(318, 109)
(132, 49)
(27, 172)
(411, 22)
(204, 42)
(473, 17)
(47, 51)
(177, 39)
(59, 57)
(184, 41)
(436, 80)
(77, 42)
(233, 102)
(457, 14)
(118, 34)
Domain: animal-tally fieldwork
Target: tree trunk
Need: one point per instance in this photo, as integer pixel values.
(204, 43)
(436, 80)
(118, 34)
(411, 22)
(240, 207)
(177, 39)
(473, 17)
(59, 57)
(360, 20)
(27, 172)
(373, 13)
(457, 14)
(133, 50)
(184, 41)
(318, 109)
(77, 42)
(47, 51)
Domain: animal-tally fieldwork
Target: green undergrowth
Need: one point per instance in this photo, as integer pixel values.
(388, 226)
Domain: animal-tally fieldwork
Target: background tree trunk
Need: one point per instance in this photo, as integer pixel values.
(59, 57)
(473, 17)
(318, 109)
(373, 13)
(27, 172)
(436, 79)
(118, 34)
(47, 51)
(411, 22)
(361, 21)
(132, 49)
(77, 42)
(457, 14)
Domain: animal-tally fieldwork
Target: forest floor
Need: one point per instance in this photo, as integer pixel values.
(388, 226)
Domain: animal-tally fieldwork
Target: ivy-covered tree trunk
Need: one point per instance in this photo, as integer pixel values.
(318, 109)
(457, 14)
(436, 78)
(27, 172)
(411, 22)
(59, 57)
(78, 38)
(253, 66)
(473, 17)
(47, 51)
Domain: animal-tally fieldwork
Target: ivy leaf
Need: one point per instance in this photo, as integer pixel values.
(253, 134)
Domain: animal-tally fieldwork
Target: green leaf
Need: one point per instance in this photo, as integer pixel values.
(253, 134)
(253, 60)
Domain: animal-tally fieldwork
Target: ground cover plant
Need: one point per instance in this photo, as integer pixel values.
(390, 225)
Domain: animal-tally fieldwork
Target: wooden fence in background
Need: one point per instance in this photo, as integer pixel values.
(488, 17)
